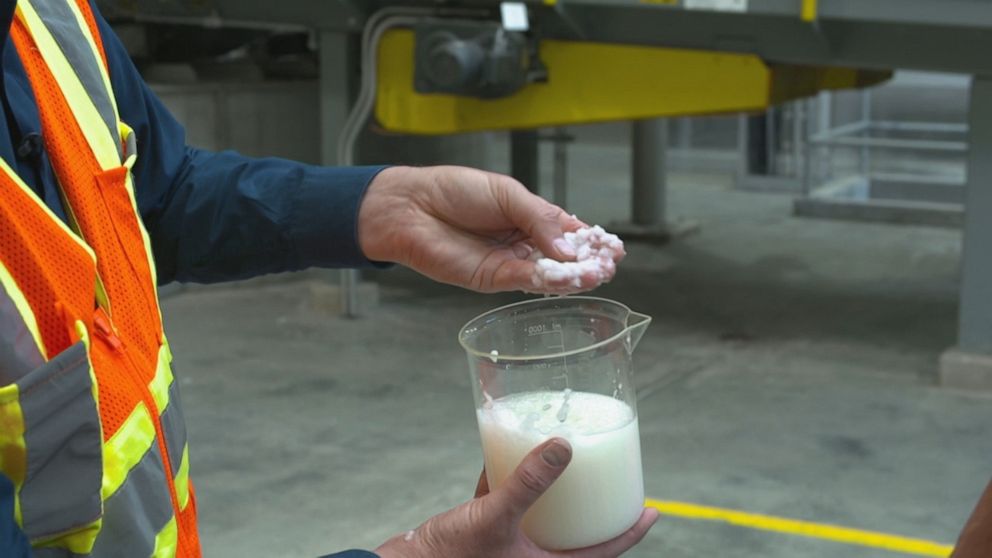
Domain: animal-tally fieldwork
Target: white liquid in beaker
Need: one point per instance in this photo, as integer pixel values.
(601, 493)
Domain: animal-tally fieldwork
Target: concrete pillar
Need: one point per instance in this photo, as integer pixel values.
(649, 143)
(969, 365)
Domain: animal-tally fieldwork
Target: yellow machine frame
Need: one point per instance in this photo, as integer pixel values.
(596, 82)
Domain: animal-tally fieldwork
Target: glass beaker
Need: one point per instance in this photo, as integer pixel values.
(561, 367)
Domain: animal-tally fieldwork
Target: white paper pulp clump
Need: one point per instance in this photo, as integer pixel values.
(596, 251)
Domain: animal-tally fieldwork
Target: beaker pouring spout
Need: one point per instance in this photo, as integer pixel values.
(637, 324)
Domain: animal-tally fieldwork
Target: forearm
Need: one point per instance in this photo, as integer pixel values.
(229, 217)
(976, 537)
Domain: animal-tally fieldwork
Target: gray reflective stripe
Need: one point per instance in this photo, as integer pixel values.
(64, 27)
(137, 512)
(174, 427)
(61, 490)
(130, 146)
(18, 350)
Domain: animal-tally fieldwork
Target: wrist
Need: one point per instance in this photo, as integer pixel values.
(380, 215)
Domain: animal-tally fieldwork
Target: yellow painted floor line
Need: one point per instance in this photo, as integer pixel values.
(822, 531)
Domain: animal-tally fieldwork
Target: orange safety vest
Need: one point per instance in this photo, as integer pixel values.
(91, 428)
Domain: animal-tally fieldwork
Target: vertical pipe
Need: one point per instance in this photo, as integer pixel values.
(336, 92)
(757, 144)
(824, 104)
(807, 169)
(524, 158)
(797, 137)
(864, 156)
(685, 134)
(975, 305)
(649, 139)
(771, 140)
(743, 153)
(561, 167)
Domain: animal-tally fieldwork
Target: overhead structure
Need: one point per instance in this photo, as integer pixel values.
(595, 60)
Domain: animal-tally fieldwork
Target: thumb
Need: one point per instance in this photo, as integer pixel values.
(542, 221)
(534, 476)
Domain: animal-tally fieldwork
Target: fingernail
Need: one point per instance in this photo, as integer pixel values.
(555, 454)
(564, 248)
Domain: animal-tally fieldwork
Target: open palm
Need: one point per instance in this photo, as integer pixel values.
(464, 227)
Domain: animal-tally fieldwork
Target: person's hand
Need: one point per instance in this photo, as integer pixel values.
(489, 525)
(465, 227)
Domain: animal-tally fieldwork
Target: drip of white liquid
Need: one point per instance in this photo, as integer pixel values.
(563, 410)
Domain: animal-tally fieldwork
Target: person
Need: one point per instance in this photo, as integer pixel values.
(975, 540)
(103, 200)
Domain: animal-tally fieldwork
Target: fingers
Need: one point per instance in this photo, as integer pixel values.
(570, 223)
(544, 222)
(532, 478)
(518, 275)
(616, 547)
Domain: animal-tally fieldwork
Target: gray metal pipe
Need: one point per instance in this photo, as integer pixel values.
(649, 141)
(524, 158)
(893, 143)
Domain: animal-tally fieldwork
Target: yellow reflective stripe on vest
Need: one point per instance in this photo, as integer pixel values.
(159, 386)
(102, 141)
(78, 542)
(84, 28)
(72, 34)
(166, 540)
(130, 157)
(69, 29)
(126, 448)
(13, 450)
(182, 480)
(22, 306)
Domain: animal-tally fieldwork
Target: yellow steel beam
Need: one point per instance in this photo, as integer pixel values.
(595, 82)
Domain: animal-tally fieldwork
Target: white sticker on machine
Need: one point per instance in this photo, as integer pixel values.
(717, 5)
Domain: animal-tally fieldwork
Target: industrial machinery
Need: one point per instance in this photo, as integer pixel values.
(439, 67)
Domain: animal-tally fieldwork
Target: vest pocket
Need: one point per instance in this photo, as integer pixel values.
(51, 444)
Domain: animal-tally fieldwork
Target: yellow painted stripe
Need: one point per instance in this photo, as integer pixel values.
(822, 531)
(159, 386)
(126, 448)
(104, 145)
(22, 306)
(808, 12)
(182, 480)
(166, 540)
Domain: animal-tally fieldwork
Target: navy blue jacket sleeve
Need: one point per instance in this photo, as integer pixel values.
(13, 543)
(352, 554)
(222, 216)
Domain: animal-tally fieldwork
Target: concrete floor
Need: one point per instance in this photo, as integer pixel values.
(790, 370)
